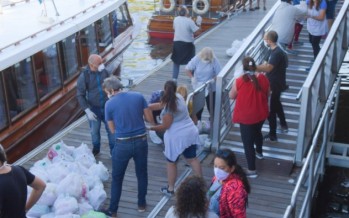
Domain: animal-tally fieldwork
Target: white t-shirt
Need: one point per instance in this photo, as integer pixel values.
(184, 29)
(170, 214)
(284, 20)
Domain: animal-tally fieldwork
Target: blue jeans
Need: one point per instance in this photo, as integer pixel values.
(95, 127)
(123, 151)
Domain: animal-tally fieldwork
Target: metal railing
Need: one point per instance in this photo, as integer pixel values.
(317, 86)
(314, 163)
(252, 46)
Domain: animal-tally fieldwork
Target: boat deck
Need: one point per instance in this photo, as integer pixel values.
(271, 191)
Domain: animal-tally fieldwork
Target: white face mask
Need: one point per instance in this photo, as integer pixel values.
(101, 67)
(266, 44)
(220, 174)
(205, 61)
(110, 95)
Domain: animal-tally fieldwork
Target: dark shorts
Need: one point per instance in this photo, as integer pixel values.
(188, 153)
(331, 6)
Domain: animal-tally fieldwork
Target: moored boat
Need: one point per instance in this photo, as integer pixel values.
(43, 47)
(212, 12)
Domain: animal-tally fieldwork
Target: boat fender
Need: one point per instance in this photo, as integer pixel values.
(169, 9)
(201, 11)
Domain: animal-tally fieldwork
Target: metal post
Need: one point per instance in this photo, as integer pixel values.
(54, 5)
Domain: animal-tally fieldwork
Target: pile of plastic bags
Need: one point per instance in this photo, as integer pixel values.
(74, 185)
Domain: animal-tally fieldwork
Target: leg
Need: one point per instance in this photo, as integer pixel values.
(140, 158)
(297, 30)
(111, 137)
(316, 45)
(258, 139)
(175, 72)
(190, 155)
(248, 141)
(213, 103)
(279, 109)
(95, 127)
(272, 113)
(199, 113)
(121, 156)
(171, 175)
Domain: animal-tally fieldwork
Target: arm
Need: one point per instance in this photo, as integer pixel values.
(265, 68)
(111, 126)
(321, 16)
(167, 120)
(189, 73)
(148, 115)
(233, 91)
(155, 106)
(81, 91)
(38, 188)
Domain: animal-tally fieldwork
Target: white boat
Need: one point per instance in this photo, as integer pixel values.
(43, 46)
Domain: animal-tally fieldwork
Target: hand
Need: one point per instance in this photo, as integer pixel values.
(198, 20)
(90, 115)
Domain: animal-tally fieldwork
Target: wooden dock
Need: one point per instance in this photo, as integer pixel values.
(271, 191)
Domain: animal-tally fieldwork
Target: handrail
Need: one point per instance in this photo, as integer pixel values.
(251, 46)
(324, 120)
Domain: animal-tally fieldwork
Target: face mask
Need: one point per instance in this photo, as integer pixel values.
(101, 67)
(205, 61)
(266, 44)
(251, 73)
(220, 174)
(110, 95)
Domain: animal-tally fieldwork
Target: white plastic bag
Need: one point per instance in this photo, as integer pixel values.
(38, 210)
(234, 47)
(71, 185)
(57, 171)
(99, 170)
(49, 196)
(48, 215)
(84, 207)
(65, 205)
(97, 196)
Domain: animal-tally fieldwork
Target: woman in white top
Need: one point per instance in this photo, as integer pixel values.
(191, 201)
(316, 23)
(181, 135)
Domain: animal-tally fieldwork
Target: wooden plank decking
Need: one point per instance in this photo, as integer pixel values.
(271, 191)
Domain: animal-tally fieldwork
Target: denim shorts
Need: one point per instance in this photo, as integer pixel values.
(188, 153)
(331, 6)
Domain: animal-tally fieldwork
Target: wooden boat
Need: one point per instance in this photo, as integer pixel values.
(212, 12)
(43, 48)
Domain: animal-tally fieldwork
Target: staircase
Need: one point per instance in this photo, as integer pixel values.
(296, 74)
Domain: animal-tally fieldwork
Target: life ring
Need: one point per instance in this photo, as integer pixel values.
(169, 9)
(200, 11)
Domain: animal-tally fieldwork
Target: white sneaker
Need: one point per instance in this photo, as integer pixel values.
(154, 138)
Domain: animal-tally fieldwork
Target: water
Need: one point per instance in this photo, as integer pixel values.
(143, 55)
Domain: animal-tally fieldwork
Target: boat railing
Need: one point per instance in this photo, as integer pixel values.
(252, 46)
(51, 27)
(317, 86)
(314, 163)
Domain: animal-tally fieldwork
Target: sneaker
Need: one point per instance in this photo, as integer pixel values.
(95, 152)
(264, 8)
(251, 174)
(244, 10)
(108, 213)
(251, 9)
(141, 209)
(257, 8)
(154, 138)
(284, 129)
(270, 138)
(259, 156)
(167, 192)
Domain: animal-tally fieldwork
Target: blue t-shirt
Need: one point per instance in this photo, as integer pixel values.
(126, 110)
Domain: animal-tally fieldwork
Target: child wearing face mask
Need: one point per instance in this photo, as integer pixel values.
(228, 194)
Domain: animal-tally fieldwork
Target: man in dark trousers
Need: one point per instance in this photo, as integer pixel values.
(275, 70)
(92, 99)
(125, 113)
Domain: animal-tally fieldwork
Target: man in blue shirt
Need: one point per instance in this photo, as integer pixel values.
(92, 99)
(125, 113)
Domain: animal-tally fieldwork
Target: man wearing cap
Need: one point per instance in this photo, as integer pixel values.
(92, 99)
(125, 113)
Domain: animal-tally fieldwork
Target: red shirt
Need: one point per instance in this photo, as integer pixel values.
(233, 199)
(251, 105)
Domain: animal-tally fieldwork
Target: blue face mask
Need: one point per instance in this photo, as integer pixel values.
(220, 174)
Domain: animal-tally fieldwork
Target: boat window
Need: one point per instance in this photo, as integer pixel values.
(20, 87)
(87, 43)
(3, 116)
(69, 57)
(47, 70)
(121, 20)
(104, 34)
